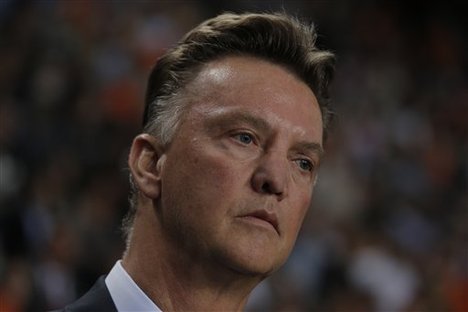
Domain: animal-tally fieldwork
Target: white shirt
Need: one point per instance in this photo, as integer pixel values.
(126, 294)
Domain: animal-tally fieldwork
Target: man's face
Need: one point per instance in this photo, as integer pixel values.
(238, 176)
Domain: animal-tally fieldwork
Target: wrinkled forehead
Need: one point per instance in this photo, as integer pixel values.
(233, 73)
(261, 87)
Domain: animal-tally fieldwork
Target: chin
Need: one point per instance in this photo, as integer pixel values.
(252, 264)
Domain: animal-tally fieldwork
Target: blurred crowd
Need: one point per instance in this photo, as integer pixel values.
(388, 228)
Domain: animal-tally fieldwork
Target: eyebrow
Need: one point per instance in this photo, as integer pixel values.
(312, 147)
(240, 117)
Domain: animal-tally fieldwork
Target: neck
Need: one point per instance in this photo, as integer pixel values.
(175, 280)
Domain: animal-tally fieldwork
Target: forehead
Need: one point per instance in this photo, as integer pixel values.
(229, 72)
(257, 86)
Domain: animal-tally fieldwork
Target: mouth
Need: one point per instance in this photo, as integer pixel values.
(263, 218)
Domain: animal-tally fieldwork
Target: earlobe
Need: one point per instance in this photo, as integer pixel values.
(146, 160)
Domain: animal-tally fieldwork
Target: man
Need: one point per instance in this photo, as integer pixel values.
(223, 173)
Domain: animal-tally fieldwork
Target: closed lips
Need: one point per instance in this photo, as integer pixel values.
(263, 215)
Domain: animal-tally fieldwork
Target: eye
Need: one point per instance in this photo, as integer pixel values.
(305, 164)
(244, 138)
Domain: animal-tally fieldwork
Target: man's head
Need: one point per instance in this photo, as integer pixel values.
(235, 118)
(278, 38)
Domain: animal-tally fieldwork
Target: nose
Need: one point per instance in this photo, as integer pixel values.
(270, 176)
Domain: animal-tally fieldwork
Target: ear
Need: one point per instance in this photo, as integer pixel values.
(145, 161)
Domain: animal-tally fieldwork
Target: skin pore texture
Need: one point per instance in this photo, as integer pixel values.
(220, 207)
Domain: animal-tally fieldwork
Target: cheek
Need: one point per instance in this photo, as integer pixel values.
(220, 167)
(298, 212)
(214, 176)
(200, 179)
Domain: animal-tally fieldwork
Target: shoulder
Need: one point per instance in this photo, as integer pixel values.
(97, 298)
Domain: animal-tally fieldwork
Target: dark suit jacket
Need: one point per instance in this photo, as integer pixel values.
(96, 299)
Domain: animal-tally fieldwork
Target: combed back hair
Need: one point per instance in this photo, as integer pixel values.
(278, 38)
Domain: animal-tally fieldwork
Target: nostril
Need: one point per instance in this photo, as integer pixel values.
(266, 188)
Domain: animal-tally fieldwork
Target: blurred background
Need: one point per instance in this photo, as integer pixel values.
(388, 229)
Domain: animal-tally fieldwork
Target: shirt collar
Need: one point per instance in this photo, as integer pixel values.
(125, 293)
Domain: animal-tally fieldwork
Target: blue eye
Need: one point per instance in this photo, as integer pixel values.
(305, 164)
(244, 138)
